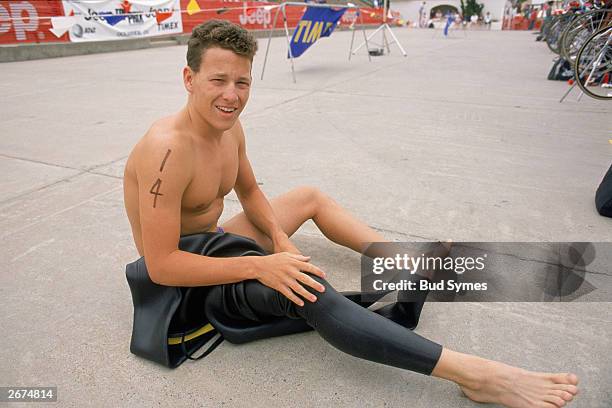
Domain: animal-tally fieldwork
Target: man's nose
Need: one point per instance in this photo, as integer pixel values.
(230, 93)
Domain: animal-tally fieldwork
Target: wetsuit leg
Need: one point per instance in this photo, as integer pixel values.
(343, 323)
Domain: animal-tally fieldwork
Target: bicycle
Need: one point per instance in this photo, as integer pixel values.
(593, 65)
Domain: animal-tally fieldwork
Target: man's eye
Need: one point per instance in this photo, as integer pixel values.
(217, 80)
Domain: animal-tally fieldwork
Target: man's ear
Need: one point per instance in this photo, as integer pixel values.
(188, 75)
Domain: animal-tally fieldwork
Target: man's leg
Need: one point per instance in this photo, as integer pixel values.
(343, 323)
(297, 206)
(480, 379)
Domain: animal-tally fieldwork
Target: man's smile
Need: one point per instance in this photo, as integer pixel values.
(226, 109)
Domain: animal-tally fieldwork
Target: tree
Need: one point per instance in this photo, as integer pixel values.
(470, 8)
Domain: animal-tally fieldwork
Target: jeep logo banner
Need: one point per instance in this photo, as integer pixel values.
(28, 21)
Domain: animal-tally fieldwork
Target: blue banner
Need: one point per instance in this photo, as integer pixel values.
(315, 23)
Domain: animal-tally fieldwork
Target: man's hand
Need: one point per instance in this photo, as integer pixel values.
(283, 273)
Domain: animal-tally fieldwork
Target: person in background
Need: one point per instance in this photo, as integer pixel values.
(422, 15)
(473, 20)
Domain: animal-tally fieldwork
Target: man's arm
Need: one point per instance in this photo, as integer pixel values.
(255, 204)
(164, 171)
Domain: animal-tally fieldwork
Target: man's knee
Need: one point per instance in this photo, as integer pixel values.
(313, 198)
(327, 298)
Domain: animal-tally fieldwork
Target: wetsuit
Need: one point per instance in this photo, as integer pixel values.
(343, 323)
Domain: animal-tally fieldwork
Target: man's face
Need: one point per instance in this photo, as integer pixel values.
(220, 90)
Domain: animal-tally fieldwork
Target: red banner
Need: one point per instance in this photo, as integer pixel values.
(29, 21)
(251, 15)
(258, 15)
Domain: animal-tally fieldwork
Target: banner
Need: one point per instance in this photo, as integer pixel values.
(249, 14)
(315, 23)
(259, 15)
(37, 21)
(28, 21)
(99, 20)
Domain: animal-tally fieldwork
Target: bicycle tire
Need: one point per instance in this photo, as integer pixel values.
(553, 37)
(579, 29)
(597, 48)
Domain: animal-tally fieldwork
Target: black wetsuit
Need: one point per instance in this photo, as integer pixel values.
(344, 323)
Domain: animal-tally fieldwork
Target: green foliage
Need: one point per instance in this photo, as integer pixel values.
(470, 8)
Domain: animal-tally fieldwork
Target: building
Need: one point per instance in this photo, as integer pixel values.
(409, 9)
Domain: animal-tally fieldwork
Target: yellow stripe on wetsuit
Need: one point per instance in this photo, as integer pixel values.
(172, 341)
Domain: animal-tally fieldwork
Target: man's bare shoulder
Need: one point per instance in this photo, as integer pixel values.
(237, 133)
(163, 138)
(165, 133)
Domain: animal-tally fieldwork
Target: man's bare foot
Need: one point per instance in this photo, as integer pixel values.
(485, 380)
(517, 388)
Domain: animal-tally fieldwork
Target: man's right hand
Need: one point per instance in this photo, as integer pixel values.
(283, 273)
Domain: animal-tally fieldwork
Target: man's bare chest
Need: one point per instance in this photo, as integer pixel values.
(214, 176)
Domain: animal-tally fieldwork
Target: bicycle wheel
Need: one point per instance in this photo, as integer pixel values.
(546, 27)
(580, 29)
(593, 65)
(554, 33)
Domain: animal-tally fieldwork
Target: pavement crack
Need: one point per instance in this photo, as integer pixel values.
(35, 190)
(90, 199)
(88, 170)
(575, 268)
(37, 161)
(403, 234)
(105, 175)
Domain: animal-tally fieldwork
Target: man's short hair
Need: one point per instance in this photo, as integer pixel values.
(222, 34)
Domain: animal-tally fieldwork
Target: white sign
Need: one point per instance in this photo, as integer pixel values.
(99, 20)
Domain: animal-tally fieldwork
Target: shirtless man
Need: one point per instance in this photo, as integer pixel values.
(178, 174)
